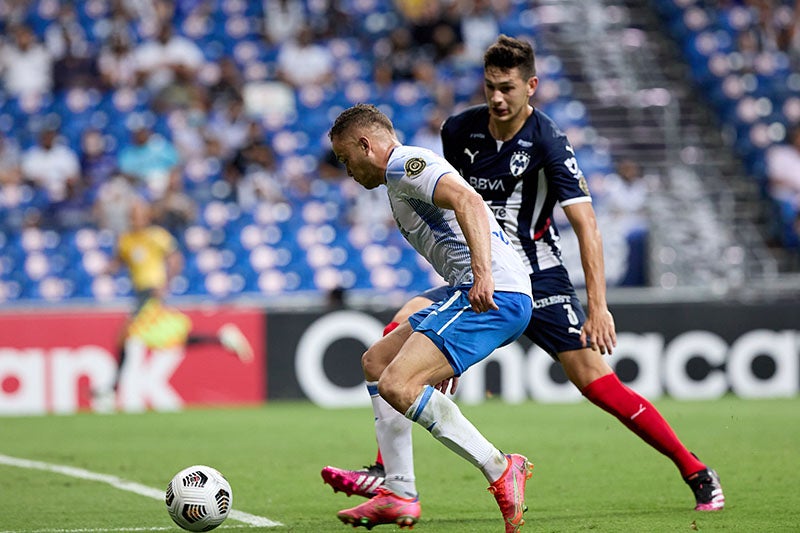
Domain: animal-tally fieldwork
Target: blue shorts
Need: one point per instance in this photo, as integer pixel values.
(466, 337)
(557, 312)
(558, 315)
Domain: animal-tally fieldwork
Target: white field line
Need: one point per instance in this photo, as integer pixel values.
(122, 484)
(119, 529)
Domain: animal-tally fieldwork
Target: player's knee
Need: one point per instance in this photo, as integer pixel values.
(396, 392)
(373, 364)
(584, 366)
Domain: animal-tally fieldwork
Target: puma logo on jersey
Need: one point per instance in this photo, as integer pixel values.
(573, 330)
(471, 155)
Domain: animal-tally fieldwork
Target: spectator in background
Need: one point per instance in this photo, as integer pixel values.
(282, 20)
(624, 199)
(27, 65)
(303, 61)
(97, 165)
(168, 65)
(14, 192)
(51, 166)
(228, 84)
(189, 128)
(73, 211)
(480, 26)
(120, 22)
(65, 35)
(783, 169)
(252, 174)
(117, 63)
(230, 126)
(75, 71)
(396, 52)
(625, 196)
(429, 135)
(333, 18)
(112, 203)
(150, 159)
(436, 29)
(176, 209)
(10, 160)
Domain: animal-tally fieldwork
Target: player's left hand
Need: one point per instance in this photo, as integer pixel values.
(481, 295)
(600, 330)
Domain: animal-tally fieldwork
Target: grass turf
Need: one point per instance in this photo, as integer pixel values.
(591, 474)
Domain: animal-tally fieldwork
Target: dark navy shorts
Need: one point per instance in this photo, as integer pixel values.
(557, 317)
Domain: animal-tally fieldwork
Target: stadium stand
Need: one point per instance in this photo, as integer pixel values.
(745, 57)
(189, 105)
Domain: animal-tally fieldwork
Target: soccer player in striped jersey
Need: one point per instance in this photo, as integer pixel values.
(522, 164)
(487, 305)
(151, 255)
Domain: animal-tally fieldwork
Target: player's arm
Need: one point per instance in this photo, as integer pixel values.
(599, 326)
(452, 193)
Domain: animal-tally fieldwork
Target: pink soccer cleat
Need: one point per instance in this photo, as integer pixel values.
(509, 491)
(385, 508)
(364, 482)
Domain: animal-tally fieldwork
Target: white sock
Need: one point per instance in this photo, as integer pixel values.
(439, 415)
(393, 432)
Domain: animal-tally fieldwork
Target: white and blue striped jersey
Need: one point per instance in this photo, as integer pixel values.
(411, 177)
(521, 179)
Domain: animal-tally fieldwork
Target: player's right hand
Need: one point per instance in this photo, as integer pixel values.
(599, 329)
(452, 382)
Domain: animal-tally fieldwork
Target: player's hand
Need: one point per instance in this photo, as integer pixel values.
(481, 295)
(600, 330)
(452, 382)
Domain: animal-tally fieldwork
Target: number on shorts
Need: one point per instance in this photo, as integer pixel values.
(571, 316)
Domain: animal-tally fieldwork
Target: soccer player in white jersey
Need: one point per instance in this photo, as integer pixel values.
(522, 164)
(487, 305)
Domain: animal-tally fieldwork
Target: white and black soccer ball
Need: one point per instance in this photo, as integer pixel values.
(199, 498)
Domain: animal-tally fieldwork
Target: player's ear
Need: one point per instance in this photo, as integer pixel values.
(364, 143)
(533, 83)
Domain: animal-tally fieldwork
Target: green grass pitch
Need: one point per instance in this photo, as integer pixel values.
(590, 474)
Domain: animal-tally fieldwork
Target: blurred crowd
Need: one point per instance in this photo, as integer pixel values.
(747, 54)
(196, 110)
(191, 103)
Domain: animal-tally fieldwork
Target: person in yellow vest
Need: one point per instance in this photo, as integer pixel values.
(151, 255)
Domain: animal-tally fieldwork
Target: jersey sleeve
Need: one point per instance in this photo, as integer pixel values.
(416, 172)
(563, 171)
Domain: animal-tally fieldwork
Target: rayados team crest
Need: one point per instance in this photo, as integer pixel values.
(519, 162)
(414, 166)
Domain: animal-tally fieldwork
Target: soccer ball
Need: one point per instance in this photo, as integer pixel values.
(199, 498)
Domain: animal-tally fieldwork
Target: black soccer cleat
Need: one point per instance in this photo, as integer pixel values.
(707, 490)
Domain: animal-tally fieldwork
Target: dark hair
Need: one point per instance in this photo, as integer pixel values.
(507, 53)
(360, 115)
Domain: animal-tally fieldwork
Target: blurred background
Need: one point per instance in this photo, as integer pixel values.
(683, 113)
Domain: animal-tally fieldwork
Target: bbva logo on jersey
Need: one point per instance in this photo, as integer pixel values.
(519, 162)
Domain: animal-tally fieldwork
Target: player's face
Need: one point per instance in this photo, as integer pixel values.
(354, 154)
(507, 93)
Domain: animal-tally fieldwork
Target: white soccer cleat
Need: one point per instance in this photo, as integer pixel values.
(234, 340)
